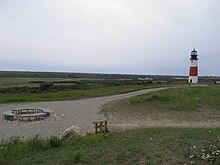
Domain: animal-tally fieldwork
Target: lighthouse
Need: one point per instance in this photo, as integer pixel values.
(193, 71)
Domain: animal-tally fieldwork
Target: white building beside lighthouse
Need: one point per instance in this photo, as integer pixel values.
(193, 71)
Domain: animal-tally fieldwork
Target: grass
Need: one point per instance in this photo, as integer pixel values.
(69, 95)
(21, 89)
(185, 104)
(21, 82)
(180, 99)
(144, 146)
(9, 82)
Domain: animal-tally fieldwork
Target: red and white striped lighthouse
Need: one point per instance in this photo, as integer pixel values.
(193, 71)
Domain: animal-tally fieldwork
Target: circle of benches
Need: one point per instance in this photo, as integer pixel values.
(27, 114)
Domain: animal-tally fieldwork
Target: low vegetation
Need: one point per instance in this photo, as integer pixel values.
(144, 146)
(155, 145)
(68, 95)
(195, 104)
(180, 99)
(51, 89)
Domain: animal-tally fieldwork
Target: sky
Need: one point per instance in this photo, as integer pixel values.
(110, 36)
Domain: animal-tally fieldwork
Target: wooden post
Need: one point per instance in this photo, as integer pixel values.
(96, 127)
(100, 126)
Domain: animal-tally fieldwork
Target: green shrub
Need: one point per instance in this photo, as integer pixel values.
(13, 147)
(45, 86)
(55, 142)
(36, 144)
(73, 158)
(143, 98)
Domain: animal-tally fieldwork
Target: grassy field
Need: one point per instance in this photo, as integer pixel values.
(181, 99)
(145, 146)
(39, 86)
(69, 95)
(155, 145)
(50, 89)
(196, 104)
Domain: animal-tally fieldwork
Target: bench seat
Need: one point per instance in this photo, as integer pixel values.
(9, 115)
(37, 116)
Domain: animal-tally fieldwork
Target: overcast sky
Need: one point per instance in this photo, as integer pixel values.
(110, 36)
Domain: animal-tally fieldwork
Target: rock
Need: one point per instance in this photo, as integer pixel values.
(73, 131)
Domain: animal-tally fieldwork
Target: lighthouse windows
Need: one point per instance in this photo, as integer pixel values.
(191, 61)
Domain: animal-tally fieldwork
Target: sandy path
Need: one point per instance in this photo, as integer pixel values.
(79, 112)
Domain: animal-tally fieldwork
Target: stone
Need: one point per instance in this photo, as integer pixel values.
(71, 132)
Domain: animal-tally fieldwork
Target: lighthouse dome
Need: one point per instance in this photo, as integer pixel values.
(194, 55)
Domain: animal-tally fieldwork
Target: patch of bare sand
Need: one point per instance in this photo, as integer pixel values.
(199, 119)
(162, 123)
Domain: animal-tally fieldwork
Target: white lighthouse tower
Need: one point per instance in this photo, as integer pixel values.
(193, 71)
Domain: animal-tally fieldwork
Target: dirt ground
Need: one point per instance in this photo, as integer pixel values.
(83, 112)
(128, 118)
(66, 113)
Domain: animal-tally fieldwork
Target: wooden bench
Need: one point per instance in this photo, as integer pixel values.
(9, 115)
(27, 110)
(100, 126)
(30, 117)
(27, 114)
(46, 111)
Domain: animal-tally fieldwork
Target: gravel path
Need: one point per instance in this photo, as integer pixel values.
(67, 113)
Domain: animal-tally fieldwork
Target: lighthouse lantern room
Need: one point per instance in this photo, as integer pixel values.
(193, 71)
